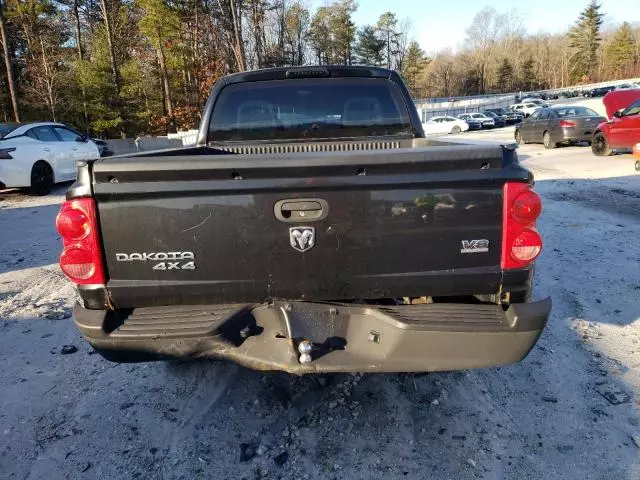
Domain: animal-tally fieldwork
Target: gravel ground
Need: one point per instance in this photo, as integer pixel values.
(569, 410)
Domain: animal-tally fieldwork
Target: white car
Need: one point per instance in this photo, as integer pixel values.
(525, 108)
(445, 124)
(537, 101)
(485, 121)
(38, 155)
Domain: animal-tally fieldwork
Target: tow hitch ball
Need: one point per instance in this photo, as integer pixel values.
(305, 347)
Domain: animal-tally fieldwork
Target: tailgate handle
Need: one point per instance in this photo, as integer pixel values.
(301, 210)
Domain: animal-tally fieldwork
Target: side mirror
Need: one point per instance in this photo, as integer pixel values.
(81, 139)
(618, 114)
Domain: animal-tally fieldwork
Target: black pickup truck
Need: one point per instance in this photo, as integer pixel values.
(312, 228)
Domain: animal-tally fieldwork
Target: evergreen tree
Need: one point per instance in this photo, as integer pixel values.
(343, 30)
(333, 32)
(528, 75)
(319, 35)
(387, 24)
(415, 61)
(505, 76)
(619, 53)
(297, 20)
(160, 24)
(585, 39)
(369, 48)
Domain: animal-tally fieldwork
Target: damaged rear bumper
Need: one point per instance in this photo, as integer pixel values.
(345, 338)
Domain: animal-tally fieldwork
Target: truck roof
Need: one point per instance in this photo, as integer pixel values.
(324, 71)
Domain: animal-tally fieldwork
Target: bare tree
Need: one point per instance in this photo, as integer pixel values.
(75, 12)
(231, 16)
(8, 61)
(297, 22)
(107, 12)
(489, 33)
(402, 41)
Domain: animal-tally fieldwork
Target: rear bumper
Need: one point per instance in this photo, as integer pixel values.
(362, 338)
(572, 135)
(13, 174)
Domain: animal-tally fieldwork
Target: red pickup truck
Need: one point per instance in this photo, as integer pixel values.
(622, 131)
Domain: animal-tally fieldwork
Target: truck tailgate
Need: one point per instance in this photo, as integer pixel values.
(230, 228)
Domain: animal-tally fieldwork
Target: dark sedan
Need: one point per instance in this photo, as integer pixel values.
(499, 120)
(472, 122)
(509, 115)
(560, 124)
(599, 92)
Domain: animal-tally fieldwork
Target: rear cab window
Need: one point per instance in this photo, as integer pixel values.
(299, 109)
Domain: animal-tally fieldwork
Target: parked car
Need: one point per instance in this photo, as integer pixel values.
(38, 155)
(525, 108)
(522, 96)
(498, 120)
(537, 101)
(469, 120)
(569, 94)
(445, 124)
(636, 154)
(103, 147)
(559, 124)
(268, 247)
(600, 91)
(622, 131)
(510, 116)
(485, 122)
(619, 100)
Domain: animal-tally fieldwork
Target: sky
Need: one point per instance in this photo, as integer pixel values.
(441, 24)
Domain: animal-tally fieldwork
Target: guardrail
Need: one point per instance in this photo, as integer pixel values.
(456, 99)
(587, 86)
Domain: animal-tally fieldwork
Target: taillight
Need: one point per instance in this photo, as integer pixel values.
(567, 123)
(81, 258)
(5, 153)
(521, 243)
(526, 206)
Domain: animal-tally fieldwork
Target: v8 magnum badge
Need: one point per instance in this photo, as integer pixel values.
(474, 246)
(302, 238)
